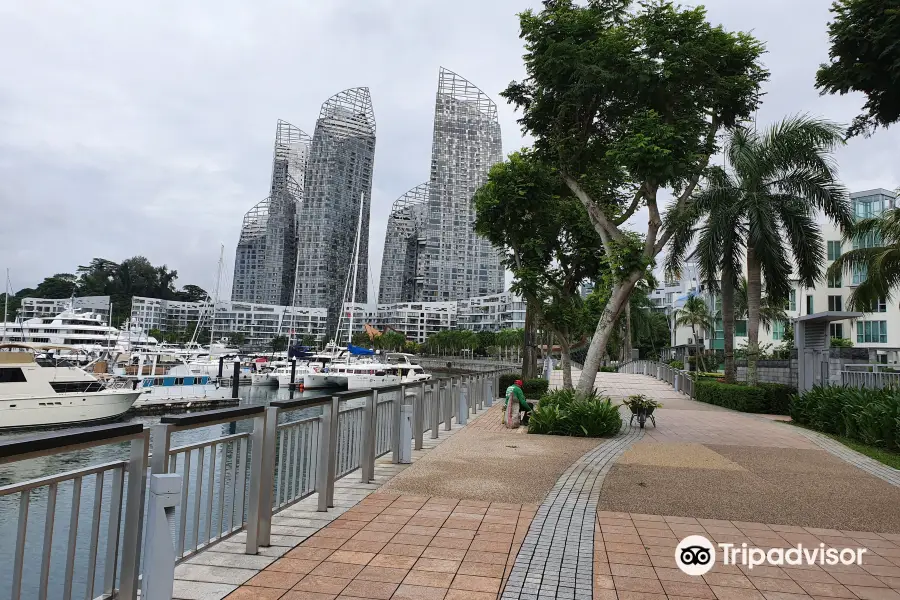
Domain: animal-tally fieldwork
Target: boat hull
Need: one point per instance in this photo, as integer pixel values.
(65, 409)
(321, 381)
(264, 379)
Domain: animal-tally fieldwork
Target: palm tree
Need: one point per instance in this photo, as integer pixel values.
(695, 314)
(769, 311)
(880, 262)
(767, 201)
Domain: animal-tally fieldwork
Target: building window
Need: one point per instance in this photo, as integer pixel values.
(836, 330)
(834, 250)
(835, 303)
(740, 328)
(871, 332)
(860, 274)
(793, 300)
(778, 330)
(835, 280)
(809, 305)
(881, 306)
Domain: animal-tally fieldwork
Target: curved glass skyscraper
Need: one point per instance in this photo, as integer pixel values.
(338, 179)
(401, 247)
(266, 251)
(451, 262)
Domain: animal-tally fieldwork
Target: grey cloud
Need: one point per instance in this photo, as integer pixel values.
(147, 128)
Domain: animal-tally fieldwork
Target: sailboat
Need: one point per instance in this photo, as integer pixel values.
(337, 369)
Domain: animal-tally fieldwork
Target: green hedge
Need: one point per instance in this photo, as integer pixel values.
(869, 416)
(609, 369)
(561, 412)
(766, 398)
(737, 397)
(535, 388)
(532, 388)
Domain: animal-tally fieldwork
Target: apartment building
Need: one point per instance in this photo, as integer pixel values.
(491, 313)
(878, 329)
(50, 307)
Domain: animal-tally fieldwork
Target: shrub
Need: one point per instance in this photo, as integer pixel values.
(869, 416)
(609, 369)
(735, 396)
(676, 364)
(507, 379)
(562, 412)
(778, 398)
(534, 388)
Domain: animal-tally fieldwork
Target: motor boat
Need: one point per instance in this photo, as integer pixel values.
(44, 390)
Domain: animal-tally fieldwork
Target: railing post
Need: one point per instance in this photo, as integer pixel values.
(367, 460)
(677, 382)
(395, 426)
(447, 403)
(134, 515)
(159, 561)
(404, 451)
(333, 448)
(435, 398)
(419, 416)
(159, 462)
(489, 391)
(322, 470)
(267, 474)
(462, 410)
(255, 500)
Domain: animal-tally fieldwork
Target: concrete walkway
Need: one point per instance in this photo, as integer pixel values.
(494, 513)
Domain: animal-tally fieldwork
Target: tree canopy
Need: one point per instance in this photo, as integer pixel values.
(865, 57)
(626, 101)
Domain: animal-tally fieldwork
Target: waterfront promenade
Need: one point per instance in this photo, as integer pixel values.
(484, 512)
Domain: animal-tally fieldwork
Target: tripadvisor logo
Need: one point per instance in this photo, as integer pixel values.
(696, 555)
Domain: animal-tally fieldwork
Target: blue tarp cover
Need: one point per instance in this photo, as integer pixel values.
(357, 351)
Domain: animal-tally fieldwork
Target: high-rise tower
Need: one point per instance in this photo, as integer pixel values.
(457, 263)
(338, 179)
(400, 263)
(264, 261)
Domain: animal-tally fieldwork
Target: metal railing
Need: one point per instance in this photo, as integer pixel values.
(115, 493)
(261, 461)
(872, 380)
(678, 379)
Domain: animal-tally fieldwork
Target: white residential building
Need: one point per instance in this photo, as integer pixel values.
(262, 322)
(50, 307)
(491, 313)
(165, 315)
(878, 330)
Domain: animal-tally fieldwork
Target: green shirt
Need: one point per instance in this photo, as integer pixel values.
(514, 389)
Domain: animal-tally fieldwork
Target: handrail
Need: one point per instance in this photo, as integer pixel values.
(19, 448)
(295, 403)
(212, 417)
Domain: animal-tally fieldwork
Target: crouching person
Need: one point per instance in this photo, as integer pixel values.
(516, 408)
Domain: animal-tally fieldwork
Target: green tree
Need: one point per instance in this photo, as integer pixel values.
(61, 285)
(391, 341)
(776, 182)
(156, 333)
(237, 338)
(549, 244)
(309, 340)
(362, 339)
(695, 314)
(627, 101)
(876, 264)
(192, 293)
(279, 343)
(865, 57)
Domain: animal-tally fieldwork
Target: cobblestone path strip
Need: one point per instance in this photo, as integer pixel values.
(556, 557)
(869, 465)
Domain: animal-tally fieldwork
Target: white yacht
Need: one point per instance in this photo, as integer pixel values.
(80, 329)
(47, 391)
(361, 375)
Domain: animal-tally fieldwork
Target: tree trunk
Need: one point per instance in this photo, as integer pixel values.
(696, 349)
(565, 362)
(529, 358)
(628, 346)
(728, 325)
(621, 292)
(754, 294)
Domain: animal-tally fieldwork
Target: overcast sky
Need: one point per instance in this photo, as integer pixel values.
(146, 128)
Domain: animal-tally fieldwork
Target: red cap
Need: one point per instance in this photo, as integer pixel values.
(519, 382)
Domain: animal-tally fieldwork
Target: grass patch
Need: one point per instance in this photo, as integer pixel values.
(885, 457)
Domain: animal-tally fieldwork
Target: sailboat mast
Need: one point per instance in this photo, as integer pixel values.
(362, 202)
(6, 304)
(212, 317)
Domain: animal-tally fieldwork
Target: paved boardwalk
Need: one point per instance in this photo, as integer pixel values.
(608, 516)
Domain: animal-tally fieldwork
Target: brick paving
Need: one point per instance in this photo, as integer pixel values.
(401, 547)
(869, 465)
(555, 560)
(634, 559)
